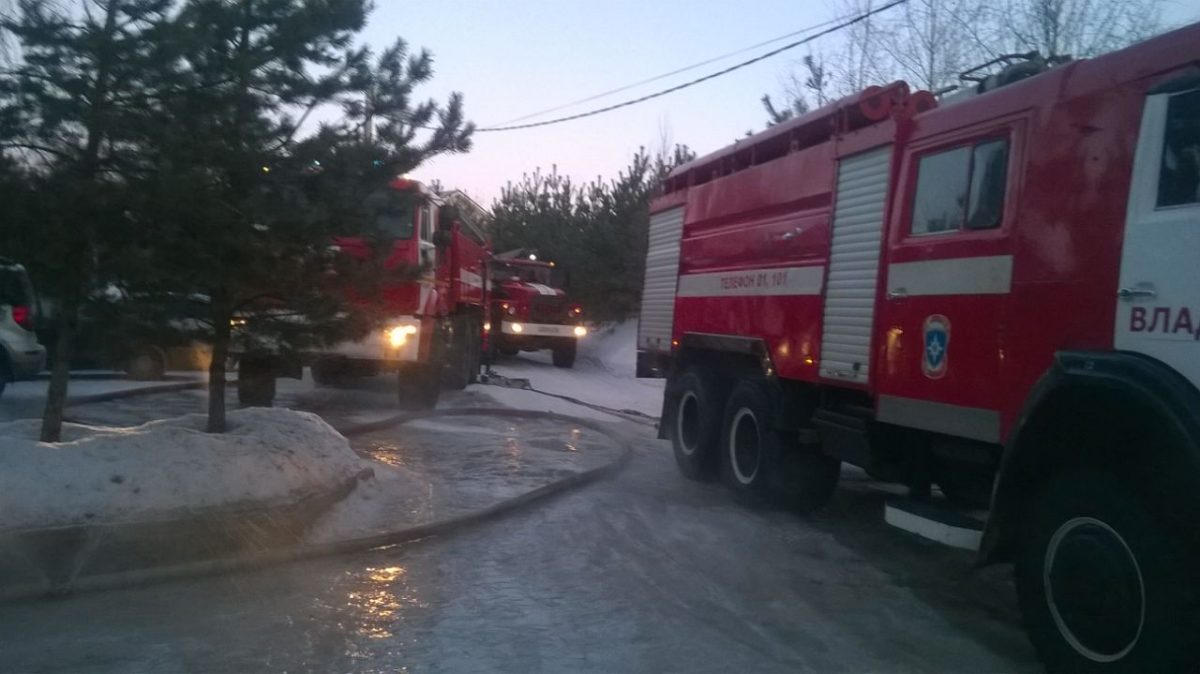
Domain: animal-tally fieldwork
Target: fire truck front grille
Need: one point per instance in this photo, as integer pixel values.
(547, 310)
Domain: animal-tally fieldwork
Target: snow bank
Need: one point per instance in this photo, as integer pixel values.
(167, 468)
(604, 374)
(615, 346)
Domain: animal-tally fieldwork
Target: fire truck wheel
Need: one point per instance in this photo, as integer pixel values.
(463, 364)
(696, 425)
(256, 382)
(1103, 584)
(419, 387)
(761, 462)
(328, 372)
(564, 354)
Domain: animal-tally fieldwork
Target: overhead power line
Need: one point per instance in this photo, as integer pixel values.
(737, 66)
(677, 71)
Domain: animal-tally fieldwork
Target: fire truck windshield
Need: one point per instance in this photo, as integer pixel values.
(396, 223)
(391, 214)
(512, 272)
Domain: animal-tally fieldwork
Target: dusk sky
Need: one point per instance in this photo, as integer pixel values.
(511, 58)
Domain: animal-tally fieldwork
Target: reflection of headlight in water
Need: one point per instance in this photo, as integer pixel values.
(580, 331)
(398, 336)
(518, 328)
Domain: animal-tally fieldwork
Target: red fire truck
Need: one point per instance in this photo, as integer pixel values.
(433, 324)
(531, 309)
(998, 294)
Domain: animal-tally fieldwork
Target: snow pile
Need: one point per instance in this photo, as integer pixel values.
(614, 345)
(604, 374)
(167, 468)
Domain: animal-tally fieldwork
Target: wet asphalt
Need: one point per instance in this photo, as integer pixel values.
(646, 572)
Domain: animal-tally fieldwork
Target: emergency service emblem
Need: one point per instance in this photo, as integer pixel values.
(937, 346)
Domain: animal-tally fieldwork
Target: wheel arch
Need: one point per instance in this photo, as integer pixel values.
(1120, 411)
(730, 358)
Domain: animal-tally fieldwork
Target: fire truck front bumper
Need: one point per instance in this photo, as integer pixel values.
(518, 329)
(399, 340)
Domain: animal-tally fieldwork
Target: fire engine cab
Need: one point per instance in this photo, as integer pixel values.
(427, 327)
(531, 309)
(998, 295)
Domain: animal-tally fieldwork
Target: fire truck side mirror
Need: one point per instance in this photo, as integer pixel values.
(442, 237)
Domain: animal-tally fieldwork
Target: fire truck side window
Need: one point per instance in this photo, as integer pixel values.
(428, 249)
(961, 188)
(1179, 178)
(989, 176)
(941, 199)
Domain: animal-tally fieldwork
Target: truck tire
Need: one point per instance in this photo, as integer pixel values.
(1103, 584)
(419, 385)
(464, 356)
(564, 354)
(696, 424)
(328, 372)
(256, 382)
(760, 462)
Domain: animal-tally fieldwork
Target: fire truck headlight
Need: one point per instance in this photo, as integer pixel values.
(517, 328)
(580, 331)
(487, 326)
(398, 336)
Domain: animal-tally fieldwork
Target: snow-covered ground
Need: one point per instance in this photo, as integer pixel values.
(443, 467)
(25, 399)
(603, 375)
(164, 469)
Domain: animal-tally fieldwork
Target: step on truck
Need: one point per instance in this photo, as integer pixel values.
(433, 323)
(996, 293)
(530, 309)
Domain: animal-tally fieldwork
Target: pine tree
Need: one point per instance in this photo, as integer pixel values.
(69, 115)
(244, 205)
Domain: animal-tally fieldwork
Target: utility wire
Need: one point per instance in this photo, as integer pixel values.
(677, 71)
(738, 66)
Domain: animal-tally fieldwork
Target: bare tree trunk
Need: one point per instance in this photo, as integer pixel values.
(216, 369)
(56, 394)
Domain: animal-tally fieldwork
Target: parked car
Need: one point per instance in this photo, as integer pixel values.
(140, 335)
(21, 356)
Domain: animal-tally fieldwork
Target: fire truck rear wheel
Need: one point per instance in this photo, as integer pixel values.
(1103, 584)
(564, 354)
(328, 372)
(418, 386)
(696, 424)
(464, 357)
(763, 463)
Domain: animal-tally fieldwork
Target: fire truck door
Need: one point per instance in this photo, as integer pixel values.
(1158, 295)
(945, 293)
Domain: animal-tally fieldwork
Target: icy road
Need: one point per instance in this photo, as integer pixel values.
(646, 572)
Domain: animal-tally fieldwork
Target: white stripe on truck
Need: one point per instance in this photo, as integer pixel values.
(990, 275)
(753, 282)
